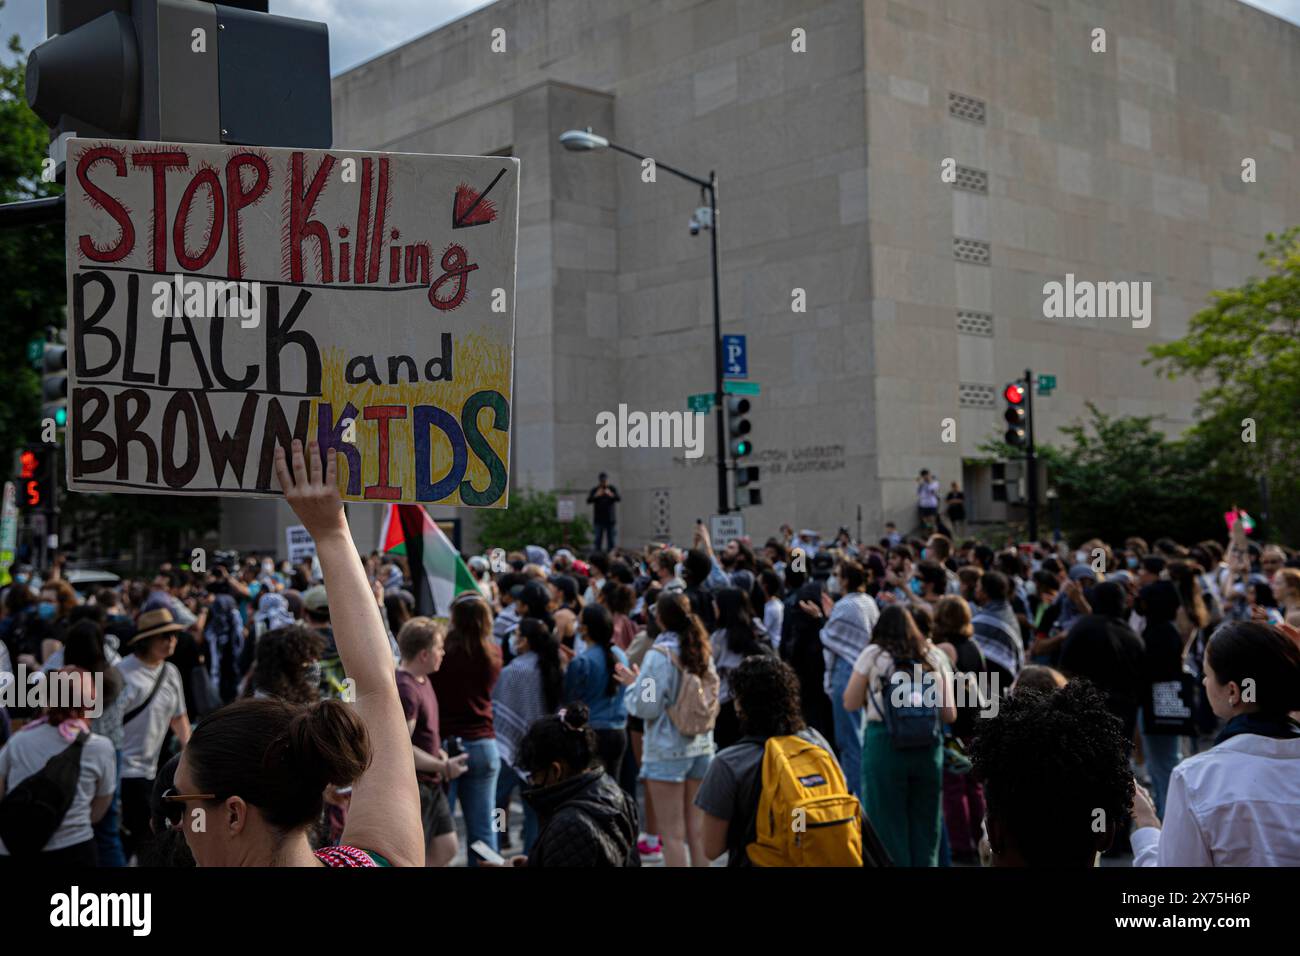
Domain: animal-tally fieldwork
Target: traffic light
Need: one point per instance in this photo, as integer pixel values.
(746, 476)
(54, 384)
(31, 476)
(738, 426)
(181, 71)
(1014, 393)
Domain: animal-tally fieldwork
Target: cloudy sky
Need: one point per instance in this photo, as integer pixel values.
(361, 29)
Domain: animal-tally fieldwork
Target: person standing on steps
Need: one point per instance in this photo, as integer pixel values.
(602, 500)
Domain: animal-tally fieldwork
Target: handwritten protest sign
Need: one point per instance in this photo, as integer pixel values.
(223, 300)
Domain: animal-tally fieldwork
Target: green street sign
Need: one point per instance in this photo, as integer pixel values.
(700, 403)
(1046, 384)
(732, 387)
(35, 352)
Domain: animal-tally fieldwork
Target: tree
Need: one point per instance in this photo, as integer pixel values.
(31, 259)
(530, 519)
(1245, 346)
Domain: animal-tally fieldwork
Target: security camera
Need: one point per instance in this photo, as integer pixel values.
(695, 226)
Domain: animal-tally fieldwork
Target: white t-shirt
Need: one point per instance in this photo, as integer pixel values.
(876, 664)
(927, 494)
(29, 750)
(142, 738)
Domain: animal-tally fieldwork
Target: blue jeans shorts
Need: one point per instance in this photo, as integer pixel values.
(676, 769)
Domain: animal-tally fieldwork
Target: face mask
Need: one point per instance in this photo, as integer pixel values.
(915, 585)
(1081, 557)
(924, 552)
(20, 579)
(46, 610)
(1132, 563)
(833, 586)
(579, 645)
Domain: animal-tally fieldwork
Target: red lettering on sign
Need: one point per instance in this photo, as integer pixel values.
(160, 162)
(300, 226)
(126, 241)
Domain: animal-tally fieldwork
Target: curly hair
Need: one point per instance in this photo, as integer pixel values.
(1050, 763)
(766, 689)
(280, 666)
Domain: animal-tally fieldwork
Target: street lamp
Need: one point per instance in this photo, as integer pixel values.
(582, 141)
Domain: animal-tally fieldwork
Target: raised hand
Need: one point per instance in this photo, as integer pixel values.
(312, 491)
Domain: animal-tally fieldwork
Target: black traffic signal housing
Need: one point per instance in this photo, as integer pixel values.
(746, 495)
(738, 427)
(54, 384)
(181, 71)
(1014, 394)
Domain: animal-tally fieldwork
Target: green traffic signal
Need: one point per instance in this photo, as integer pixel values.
(61, 417)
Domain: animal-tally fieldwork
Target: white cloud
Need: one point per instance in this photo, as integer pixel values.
(361, 29)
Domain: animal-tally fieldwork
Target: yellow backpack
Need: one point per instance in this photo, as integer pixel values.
(806, 815)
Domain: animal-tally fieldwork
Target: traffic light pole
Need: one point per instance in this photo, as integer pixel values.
(718, 349)
(32, 212)
(1031, 459)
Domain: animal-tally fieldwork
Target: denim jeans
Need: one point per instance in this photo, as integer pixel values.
(507, 783)
(1162, 753)
(848, 727)
(477, 790)
(108, 831)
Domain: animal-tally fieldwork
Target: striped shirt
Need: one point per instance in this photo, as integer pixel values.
(997, 634)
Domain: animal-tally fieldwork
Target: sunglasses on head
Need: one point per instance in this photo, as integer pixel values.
(173, 807)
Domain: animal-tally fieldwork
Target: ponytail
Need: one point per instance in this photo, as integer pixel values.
(674, 613)
(543, 643)
(599, 627)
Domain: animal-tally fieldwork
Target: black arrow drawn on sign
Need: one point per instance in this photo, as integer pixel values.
(459, 222)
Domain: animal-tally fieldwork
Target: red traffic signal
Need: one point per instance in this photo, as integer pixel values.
(1014, 393)
(28, 464)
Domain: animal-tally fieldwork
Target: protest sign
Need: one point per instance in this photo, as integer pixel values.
(299, 544)
(226, 299)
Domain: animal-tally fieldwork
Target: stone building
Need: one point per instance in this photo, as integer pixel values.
(830, 124)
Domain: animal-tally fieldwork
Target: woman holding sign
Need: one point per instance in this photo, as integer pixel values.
(254, 772)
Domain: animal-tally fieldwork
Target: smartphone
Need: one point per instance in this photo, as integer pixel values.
(455, 746)
(488, 854)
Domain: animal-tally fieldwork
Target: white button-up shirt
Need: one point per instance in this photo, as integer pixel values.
(1234, 805)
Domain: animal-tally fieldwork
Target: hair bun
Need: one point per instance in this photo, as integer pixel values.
(574, 716)
(327, 743)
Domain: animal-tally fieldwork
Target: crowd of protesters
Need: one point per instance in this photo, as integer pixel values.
(916, 701)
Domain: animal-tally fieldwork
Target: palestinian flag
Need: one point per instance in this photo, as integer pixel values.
(437, 572)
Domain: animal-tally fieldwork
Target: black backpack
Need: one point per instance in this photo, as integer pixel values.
(31, 812)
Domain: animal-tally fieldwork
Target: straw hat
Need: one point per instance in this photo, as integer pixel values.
(154, 623)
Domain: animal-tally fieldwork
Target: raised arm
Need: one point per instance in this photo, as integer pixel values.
(385, 812)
